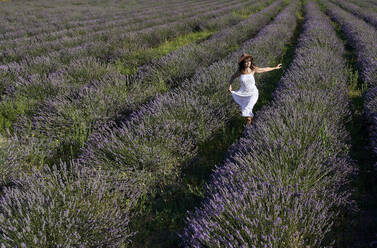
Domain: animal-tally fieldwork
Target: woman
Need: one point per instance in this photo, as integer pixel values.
(247, 95)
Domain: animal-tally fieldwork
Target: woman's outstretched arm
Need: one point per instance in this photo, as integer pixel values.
(266, 69)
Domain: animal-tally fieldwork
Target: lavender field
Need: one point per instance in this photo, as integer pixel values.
(117, 128)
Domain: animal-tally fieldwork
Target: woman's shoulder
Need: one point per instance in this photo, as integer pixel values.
(255, 68)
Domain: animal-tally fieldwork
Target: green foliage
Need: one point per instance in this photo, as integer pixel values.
(248, 11)
(353, 79)
(129, 64)
(23, 103)
(9, 111)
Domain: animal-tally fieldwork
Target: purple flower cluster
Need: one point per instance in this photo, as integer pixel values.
(66, 206)
(368, 4)
(366, 14)
(370, 111)
(286, 181)
(362, 37)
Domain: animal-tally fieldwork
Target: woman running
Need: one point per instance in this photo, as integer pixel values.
(248, 94)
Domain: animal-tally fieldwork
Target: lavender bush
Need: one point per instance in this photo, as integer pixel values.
(66, 206)
(370, 111)
(368, 4)
(286, 181)
(362, 38)
(368, 15)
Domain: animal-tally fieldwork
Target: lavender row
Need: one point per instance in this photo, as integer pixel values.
(137, 20)
(66, 206)
(362, 37)
(71, 119)
(369, 4)
(120, 44)
(66, 17)
(370, 111)
(368, 15)
(115, 37)
(286, 181)
(62, 22)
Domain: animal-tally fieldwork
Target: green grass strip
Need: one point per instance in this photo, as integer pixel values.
(9, 110)
(130, 63)
(248, 11)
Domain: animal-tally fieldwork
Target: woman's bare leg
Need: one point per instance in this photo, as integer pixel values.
(249, 120)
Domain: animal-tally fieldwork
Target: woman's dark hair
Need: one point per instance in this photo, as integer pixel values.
(242, 65)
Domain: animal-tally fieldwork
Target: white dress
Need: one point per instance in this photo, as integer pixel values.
(247, 95)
